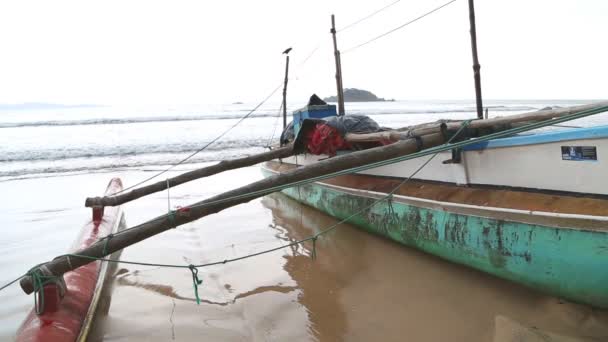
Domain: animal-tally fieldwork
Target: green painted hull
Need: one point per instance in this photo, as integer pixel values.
(568, 263)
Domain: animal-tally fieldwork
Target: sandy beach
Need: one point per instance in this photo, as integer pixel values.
(359, 288)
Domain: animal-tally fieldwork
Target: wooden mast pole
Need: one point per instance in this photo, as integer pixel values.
(285, 89)
(476, 66)
(339, 86)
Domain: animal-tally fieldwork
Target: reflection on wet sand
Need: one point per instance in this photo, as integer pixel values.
(362, 287)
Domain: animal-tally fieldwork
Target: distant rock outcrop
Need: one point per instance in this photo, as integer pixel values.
(356, 95)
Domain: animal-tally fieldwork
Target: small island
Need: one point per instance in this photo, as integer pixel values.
(357, 95)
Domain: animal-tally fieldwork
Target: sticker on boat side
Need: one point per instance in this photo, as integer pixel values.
(579, 153)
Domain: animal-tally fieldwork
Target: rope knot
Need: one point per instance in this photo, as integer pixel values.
(106, 239)
(313, 255)
(42, 276)
(195, 282)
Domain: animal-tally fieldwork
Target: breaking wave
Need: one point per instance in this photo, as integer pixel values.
(236, 115)
(70, 152)
(150, 162)
(122, 121)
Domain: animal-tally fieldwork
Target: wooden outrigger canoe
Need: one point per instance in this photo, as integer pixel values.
(528, 209)
(68, 313)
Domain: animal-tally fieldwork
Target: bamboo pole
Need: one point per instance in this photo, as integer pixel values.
(476, 66)
(285, 91)
(370, 137)
(496, 124)
(339, 86)
(63, 264)
(530, 116)
(225, 165)
(429, 128)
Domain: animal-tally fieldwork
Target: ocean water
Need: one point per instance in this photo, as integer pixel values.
(53, 157)
(38, 140)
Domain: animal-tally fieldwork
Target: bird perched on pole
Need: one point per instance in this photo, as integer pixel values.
(287, 51)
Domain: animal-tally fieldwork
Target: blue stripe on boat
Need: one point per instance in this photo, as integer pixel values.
(542, 138)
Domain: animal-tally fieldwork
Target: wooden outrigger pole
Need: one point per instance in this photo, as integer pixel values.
(224, 165)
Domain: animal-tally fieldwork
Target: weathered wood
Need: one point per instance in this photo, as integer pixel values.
(530, 116)
(339, 86)
(378, 136)
(222, 166)
(285, 91)
(498, 122)
(210, 206)
(476, 66)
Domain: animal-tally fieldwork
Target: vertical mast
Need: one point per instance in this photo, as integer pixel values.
(476, 65)
(340, 92)
(285, 90)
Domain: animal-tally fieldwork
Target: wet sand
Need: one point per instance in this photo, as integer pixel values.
(360, 287)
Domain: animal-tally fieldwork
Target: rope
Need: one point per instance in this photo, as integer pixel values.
(276, 123)
(168, 197)
(39, 280)
(12, 282)
(309, 55)
(195, 282)
(204, 147)
(106, 239)
(399, 27)
(367, 17)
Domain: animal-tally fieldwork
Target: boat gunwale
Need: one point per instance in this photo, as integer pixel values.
(89, 318)
(580, 222)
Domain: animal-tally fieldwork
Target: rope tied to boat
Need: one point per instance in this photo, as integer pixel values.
(195, 282)
(41, 277)
(106, 240)
(170, 213)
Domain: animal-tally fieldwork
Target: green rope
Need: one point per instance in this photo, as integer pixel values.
(105, 244)
(195, 282)
(171, 216)
(39, 280)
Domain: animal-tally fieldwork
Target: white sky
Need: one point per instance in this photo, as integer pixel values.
(189, 52)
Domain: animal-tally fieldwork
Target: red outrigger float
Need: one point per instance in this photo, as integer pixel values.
(69, 309)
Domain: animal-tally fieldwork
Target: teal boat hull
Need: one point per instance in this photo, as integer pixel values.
(565, 262)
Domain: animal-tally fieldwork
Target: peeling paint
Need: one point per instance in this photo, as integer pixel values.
(569, 263)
